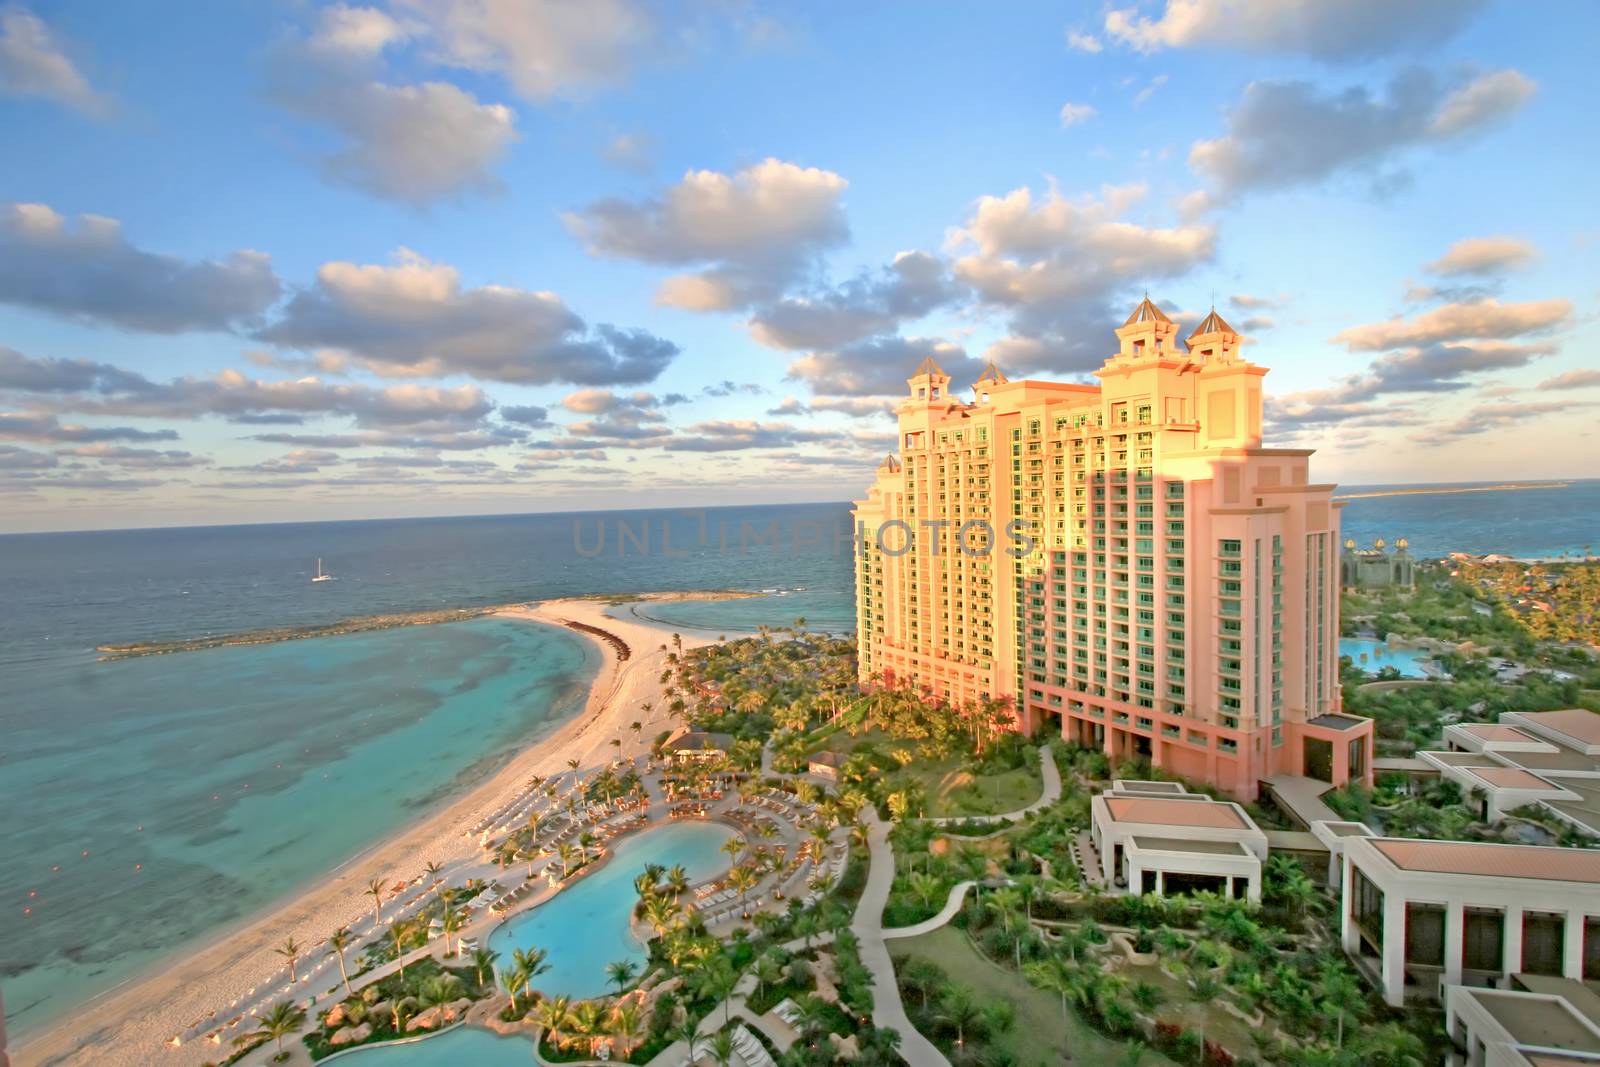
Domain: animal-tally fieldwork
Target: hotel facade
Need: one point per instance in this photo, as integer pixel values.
(1124, 562)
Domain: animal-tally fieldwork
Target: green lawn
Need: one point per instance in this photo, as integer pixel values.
(1040, 1035)
(952, 791)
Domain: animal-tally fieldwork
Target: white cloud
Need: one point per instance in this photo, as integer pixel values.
(1283, 134)
(754, 230)
(413, 318)
(1583, 378)
(915, 284)
(1332, 32)
(542, 47)
(33, 64)
(1482, 101)
(1482, 319)
(1083, 42)
(1485, 255)
(1073, 114)
(91, 272)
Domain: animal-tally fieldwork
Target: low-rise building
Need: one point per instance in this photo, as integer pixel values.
(1418, 915)
(826, 764)
(699, 746)
(1548, 759)
(1156, 837)
(1538, 1022)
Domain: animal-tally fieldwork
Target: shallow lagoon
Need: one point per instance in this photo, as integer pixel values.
(1408, 661)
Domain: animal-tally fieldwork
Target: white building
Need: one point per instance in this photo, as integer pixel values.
(1417, 915)
(1539, 1022)
(1548, 759)
(1156, 837)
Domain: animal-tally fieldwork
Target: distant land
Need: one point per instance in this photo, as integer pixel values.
(1426, 490)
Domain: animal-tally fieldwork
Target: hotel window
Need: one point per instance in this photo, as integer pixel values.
(1482, 939)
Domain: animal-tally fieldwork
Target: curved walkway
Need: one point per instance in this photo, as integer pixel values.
(887, 1009)
(958, 892)
(1052, 793)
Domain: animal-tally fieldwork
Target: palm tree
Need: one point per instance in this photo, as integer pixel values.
(628, 1025)
(621, 972)
(340, 940)
(1054, 976)
(743, 879)
(283, 1019)
(432, 869)
(1340, 994)
(924, 886)
(530, 961)
(587, 1020)
(399, 949)
(375, 890)
(451, 923)
(678, 879)
(290, 951)
(923, 976)
(766, 970)
(659, 912)
(483, 960)
(551, 1015)
(1004, 902)
(733, 846)
(957, 1009)
(566, 852)
(516, 982)
(719, 1046)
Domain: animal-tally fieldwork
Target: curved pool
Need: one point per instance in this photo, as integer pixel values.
(465, 1044)
(1372, 656)
(587, 926)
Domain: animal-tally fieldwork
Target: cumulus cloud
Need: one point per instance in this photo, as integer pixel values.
(414, 143)
(751, 233)
(880, 366)
(135, 458)
(542, 47)
(1485, 255)
(1074, 114)
(526, 414)
(1583, 378)
(1283, 134)
(413, 318)
(1487, 417)
(48, 429)
(915, 284)
(1349, 30)
(90, 272)
(1479, 319)
(740, 434)
(32, 63)
(1056, 264)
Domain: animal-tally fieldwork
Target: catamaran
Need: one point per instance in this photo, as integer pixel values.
(320, 576)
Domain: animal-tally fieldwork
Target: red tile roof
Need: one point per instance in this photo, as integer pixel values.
(1492, 860)
(1164, 811)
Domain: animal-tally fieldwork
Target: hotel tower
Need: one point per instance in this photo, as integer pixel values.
(1124, 562)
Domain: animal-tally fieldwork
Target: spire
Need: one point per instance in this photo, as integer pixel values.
(1147, 312)
(928, 366)
(1212, 323)
(992, 373)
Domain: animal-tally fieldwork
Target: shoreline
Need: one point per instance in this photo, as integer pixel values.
(132, 1023)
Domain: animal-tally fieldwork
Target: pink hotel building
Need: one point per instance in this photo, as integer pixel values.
(1124, 562)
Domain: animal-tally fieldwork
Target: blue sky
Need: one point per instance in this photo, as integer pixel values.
(283, 260)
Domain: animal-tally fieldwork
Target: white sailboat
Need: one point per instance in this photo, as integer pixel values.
(320, 576)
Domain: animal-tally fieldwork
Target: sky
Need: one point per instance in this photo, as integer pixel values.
(281, 260)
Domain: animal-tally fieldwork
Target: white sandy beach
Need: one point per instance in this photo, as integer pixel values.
(132, 1024)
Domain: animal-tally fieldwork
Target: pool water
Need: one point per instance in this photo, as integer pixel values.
(463, 1045)
(587, 926)
(1408, 661)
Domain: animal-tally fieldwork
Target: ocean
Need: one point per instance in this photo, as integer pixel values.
(147, 804)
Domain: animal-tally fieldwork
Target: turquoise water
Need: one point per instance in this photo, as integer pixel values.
(1379, 655)
(464, 1045)
(194, 789)
(587, 926)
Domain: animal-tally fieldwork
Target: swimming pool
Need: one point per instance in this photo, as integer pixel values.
(1408, 661)
(465, 1044)
(586, 927)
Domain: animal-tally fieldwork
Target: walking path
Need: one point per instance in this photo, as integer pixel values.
(887, 1009)
(1052, 793)
(958, 892)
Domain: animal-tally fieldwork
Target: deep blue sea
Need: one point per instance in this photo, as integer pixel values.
(149, 803)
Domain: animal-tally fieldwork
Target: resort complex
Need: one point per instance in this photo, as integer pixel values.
(1125, 564)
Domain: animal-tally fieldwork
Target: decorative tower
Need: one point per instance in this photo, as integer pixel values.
(991, 377)
(1214, 340)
